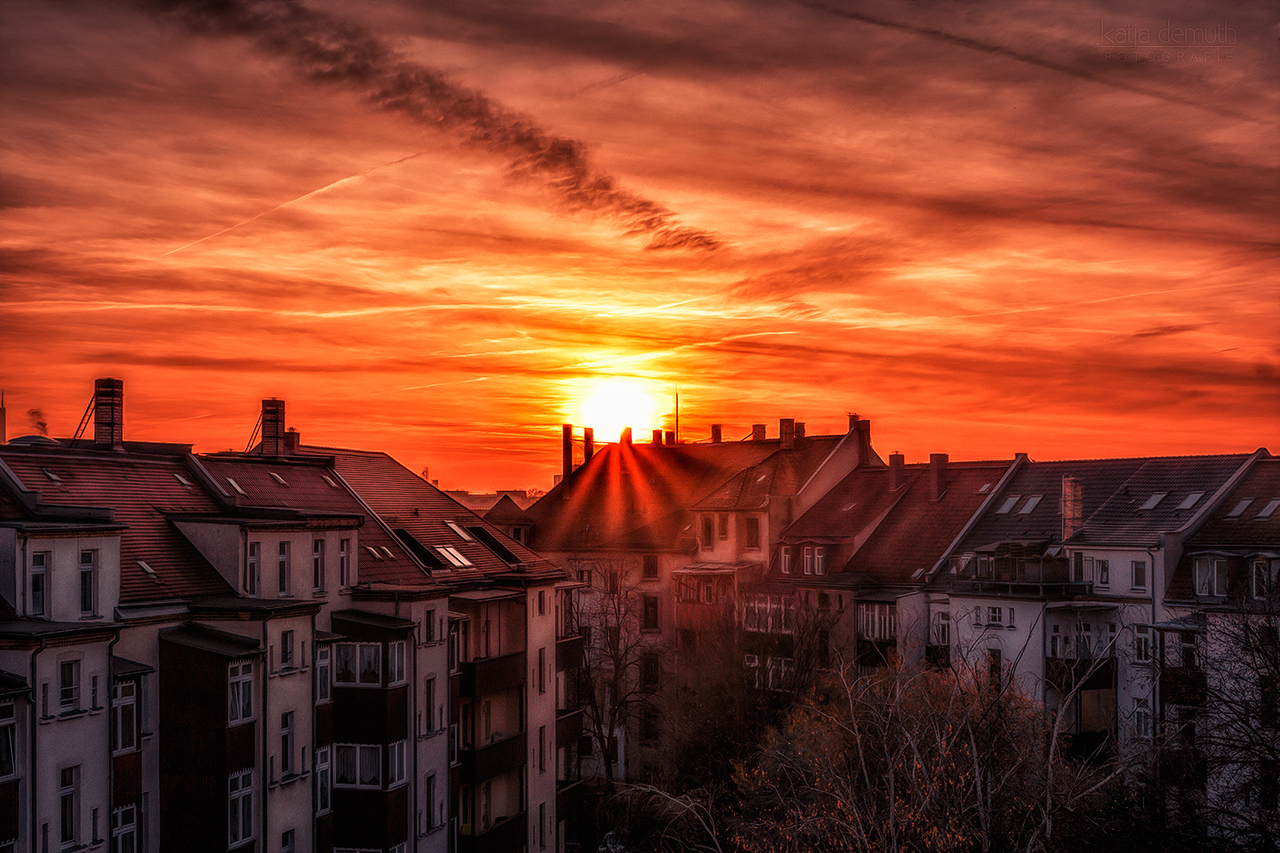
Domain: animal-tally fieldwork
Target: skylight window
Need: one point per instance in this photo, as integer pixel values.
(52, 476)
(330, 481)
(1030, 504)
(277, 478)
(1008, 504)
(183, 480)
(1153, 501)
(453, 556)
(762, 477)
(460, 530)
(373, 552)
(1268, 510)
(142, 564)
(848, 506)
(1190, 500)
(387, 551)
(236, 486)
(1238, 509)
(986, 487)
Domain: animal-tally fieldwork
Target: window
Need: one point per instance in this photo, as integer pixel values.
(752, 665)
(1104, 571)
(542, 749)
(995, 616)
(708, 531)
(1008, 504)
(1153, 501)
(1263, 577)
(1270, 509)
(124, 830)
(283, 569)
(317, 565)
(542, 602)
(542, 670)
(286, 650)
(819, 560)
(8, 741)
(454, 556)
(1238, 509)
(429, 702)
(650, 622)
(324, 781)
(68, 686)
(39, 582)
(395, 763)
(251, 569)
(808, 559)
(942, 629)
(322, 673)
(370, 663)
(1141, 719)
(344, 563)
(722, 525)
(1077, 567)
(1139, 568)
(69, 805)
(650, 570)
(1190, 500)
(240, 692)
(1056, 644)
(542, 825)
(88, 583)
(286, 743)
(1030, 505)
(124, 717)
(650, 671)
(429, 626)
(751, 532)
(357, 766)
(240, 807)
(286, 841)
(395, 662)
(1211, 576)
(1142, 644)
(584, 577)
(429, 798)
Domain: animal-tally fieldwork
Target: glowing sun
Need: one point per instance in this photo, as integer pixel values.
(607, 405)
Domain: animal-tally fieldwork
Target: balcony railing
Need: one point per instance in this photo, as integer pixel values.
(492, 675)
(568, 727)
(486, 762)
(506, 834)
(568, 653)
(1088, 673)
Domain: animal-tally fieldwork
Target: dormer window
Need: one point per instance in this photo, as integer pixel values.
(1238, 509)
(460, 530)
(1008, 504)
(1269, 510)
(1153, 501)
(1030, 504)
(784, 559)
(1190, 500)
(1211, 577)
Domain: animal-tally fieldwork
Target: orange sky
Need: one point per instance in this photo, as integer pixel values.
(988, 227)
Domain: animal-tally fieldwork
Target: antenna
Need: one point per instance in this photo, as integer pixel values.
(256, 429)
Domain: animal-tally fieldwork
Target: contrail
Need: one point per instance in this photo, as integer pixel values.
(323, 189)
(326, 49)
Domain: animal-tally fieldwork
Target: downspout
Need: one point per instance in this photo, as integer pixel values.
(266, 761)
(23, 597)
(111, 762)
(31, 775)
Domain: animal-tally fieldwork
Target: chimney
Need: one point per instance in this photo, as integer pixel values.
(625, 438)
(715, 434)
(861, 428)
(937, 475)
(657, 436)
(1072, 506)
(566, 447)
(669, 438)
(291, 441)
(4, 433)
(108, 414)
(896, 471)
(799, 429)
(272, 427)
(588, 444)
(757, 432)
(787, 432)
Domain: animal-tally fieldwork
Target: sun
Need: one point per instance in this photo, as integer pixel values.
(608, 405)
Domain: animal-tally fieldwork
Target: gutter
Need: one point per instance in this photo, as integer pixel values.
(32, 756)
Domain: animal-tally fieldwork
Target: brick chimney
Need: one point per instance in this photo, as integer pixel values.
(896, 471)
(1072, 506)
(757, 432)
(291, 441)
(669, 438)
(657, 436)
(716, 434)
(861, 428)
(4, 431)
(108, 414)
(588, 444)
(566, 449)
(625, 438)
(799, 429)
(937, 476)
(272, 427)
(787, 433)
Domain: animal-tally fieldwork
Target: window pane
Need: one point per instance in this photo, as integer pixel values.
(370, 663)
(345, 768)
(346, 664)
(370, 769)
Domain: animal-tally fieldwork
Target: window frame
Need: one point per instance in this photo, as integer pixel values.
(344, 563)
(8, 740)
(1138, 574)
(240, 692)
(324, 780)
(253, 570)
(124, 703)
(324, 673)
(284, 569)
(361, 750)
(88, 577)
(240, 806)
(40, 564)
(317, 564)
(69, 688)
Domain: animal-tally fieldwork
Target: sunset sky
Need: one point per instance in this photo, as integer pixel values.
(438, 228)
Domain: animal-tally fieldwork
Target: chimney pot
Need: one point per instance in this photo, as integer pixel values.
(625, 438)
(1072, 506)
(799, 429)
(937, 475)
(787, 433)
(566, 448)
(669, 438)
(757, 432)
(588, 444)
(896, 471)
(292, 440)
(716, 434)
(657, 436)
(853, 421)
(108, 414)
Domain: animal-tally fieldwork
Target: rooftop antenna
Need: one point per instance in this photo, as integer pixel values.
(84, 421)
(257, 428)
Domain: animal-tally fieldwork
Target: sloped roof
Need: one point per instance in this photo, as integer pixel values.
(643, 494)
(1159, 497)
(314, 486)
(405, 501)
(1249, 528)
(507, 511)
(141, 490)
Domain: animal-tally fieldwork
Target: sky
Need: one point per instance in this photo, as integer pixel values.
(442, 229)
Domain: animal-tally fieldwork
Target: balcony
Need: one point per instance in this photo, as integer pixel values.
(491, 760)
(1182, 685)
(492, 675)
(1089, 673)
(568, 653)
(505, 836)
(568, 727)
(569, 799)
